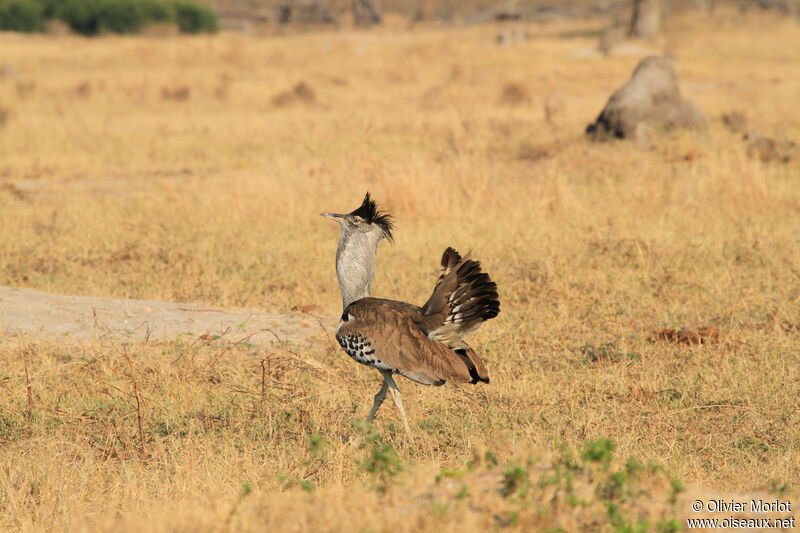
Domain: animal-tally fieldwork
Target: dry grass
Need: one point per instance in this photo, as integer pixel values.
(118, 191)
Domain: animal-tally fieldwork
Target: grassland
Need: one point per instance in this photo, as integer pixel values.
(172, 168)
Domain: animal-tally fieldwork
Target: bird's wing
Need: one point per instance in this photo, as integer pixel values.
(436, 308)
(464, 297)
(387, 335)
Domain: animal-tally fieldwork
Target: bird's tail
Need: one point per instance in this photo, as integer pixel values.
(464, 297)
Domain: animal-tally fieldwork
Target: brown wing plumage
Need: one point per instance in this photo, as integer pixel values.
(425, 344)
(464, 297)
(386, 334)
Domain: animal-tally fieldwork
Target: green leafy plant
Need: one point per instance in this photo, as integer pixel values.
(317, 454)
(156, 11)
(49, 7)
(95, 17)
(91, 17)
(381, 460)
(515, 480)
(599, 451)
(195, 18)
(20, 15)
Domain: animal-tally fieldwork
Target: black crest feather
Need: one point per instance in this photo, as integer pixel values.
(368, 210)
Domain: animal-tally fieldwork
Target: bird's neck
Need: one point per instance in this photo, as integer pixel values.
(355, 265)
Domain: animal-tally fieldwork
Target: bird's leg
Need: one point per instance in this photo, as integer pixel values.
(397, 400)
(378, 400)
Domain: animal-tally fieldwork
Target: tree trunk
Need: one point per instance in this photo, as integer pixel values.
(366, 12)
(305, 12)
(646, 19)
(424, 12)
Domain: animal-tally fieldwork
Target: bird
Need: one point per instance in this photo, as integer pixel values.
(422, 343)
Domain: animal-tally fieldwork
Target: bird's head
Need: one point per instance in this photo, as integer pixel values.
(365, 219)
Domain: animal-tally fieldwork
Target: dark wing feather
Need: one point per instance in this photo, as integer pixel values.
(464, 297)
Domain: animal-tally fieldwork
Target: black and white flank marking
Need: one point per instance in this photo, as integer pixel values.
(359, 347)
(361, 350)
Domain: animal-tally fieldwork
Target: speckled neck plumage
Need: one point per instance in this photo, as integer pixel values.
(355, 265)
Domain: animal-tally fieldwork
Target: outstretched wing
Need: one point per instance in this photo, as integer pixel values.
(464, 297)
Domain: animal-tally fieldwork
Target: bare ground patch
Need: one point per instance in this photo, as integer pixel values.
(26, 314)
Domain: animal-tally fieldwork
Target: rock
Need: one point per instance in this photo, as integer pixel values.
(299, 94)
(735, 121)
(515, 93)
(767, 149)
(651, 99)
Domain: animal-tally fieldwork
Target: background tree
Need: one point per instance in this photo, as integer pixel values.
(646, 19)
(366, 12)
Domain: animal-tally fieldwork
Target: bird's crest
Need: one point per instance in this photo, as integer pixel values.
(368, 210)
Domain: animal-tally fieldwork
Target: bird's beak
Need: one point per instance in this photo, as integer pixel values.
(332, 216)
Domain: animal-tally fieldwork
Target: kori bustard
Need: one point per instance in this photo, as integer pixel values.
(424, 344)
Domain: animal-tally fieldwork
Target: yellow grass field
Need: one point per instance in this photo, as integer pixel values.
(181, 169)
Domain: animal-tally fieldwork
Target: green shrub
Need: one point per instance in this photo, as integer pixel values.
(156, 11)
(121, 16)
(20, 15)
(91, 17)
(83, 16)
(599, 451)
(49, 7)
(195, 18)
